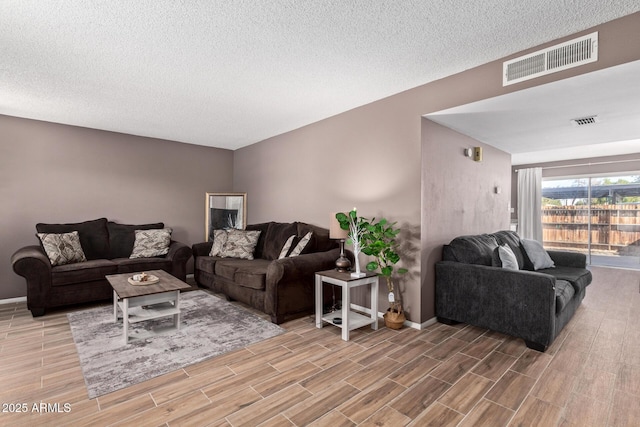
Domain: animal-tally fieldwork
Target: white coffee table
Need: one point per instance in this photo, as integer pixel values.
(139, 303)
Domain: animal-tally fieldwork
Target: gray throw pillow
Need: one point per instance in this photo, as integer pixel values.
(507, 257)
(537, 255)
(63, 248)
(151, 243)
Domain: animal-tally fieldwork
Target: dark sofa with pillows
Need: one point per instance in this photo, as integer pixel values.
(510, 285)
(269, 266)
(70, 263)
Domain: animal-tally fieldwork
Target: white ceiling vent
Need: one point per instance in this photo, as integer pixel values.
(573, 53)
(582, 121)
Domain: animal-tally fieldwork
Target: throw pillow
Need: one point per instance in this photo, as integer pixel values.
(62, 248)
(537, 255)
(150, 243)
(240, 244)
(301, 245)
(219, 240)
(286, 247)
(507, 257)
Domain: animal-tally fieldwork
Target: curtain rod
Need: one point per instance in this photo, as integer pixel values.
(588, 164)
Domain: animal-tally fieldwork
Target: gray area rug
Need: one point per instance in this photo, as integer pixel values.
(210, 327)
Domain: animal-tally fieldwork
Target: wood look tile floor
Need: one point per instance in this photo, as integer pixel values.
(440, 376)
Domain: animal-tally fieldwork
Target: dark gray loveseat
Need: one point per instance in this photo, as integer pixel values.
(472, 287)
(282, 288)
(107, 246)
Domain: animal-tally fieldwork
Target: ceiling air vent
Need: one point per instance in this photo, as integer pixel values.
(582, 121)
(569, 54)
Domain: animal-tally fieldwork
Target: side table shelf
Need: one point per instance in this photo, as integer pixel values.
(350, 319)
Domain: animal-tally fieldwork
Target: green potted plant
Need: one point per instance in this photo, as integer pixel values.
(378, 240)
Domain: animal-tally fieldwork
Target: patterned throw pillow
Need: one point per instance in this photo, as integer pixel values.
(301, 245)
(150, 243)
(219, 240)
(62, 248)
(286, 247)
(240, 244)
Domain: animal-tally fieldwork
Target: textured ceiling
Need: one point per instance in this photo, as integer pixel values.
(232, 73)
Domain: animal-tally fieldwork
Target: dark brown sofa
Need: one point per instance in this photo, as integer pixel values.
(107, 246)
(282, 288)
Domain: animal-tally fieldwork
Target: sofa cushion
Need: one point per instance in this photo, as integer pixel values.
(122, 237)
(88, 271)
(94, 236)
(205, 263)
(578, 277)
(511, 239)
(476, 249)
(62, 248)
(537, 256)
(277, 235)
(138, 265)
(151, 243)
(245, 273)
(262, 227)
(564, 293)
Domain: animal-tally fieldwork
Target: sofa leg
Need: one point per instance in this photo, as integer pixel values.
(37, 312)
(536, 346)
(228, 298)
(447, 321)
(277, 319)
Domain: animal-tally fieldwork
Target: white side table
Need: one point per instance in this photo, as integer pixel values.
(350, 319)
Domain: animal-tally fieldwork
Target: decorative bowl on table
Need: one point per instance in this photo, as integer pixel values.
(143, 279)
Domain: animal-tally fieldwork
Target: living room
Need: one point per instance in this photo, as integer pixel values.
(57, 173)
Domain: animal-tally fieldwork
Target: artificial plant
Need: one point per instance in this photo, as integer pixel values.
(378, 240)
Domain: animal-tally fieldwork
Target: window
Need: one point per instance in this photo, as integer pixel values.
(598, 215)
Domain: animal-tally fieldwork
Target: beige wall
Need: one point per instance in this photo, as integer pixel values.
(57, 173)
(459, 196)
(370, 157)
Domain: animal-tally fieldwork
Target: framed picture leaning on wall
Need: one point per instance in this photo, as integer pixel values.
(223, 211)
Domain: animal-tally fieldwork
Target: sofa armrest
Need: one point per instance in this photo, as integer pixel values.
(179, 254)
(290, 282)
(33, 264)
(568, 259)
(201, 249)
(178, 251)
(515, 302)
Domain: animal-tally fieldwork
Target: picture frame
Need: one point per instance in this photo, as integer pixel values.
(224, 211)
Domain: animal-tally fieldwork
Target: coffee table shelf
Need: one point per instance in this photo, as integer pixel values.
(144, 313)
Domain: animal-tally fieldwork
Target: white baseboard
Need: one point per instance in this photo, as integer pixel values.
(406, 323)
(13, 300)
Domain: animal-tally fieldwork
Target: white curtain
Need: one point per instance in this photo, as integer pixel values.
(530, 203)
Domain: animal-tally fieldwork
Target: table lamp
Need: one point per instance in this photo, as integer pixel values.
(335, 232)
